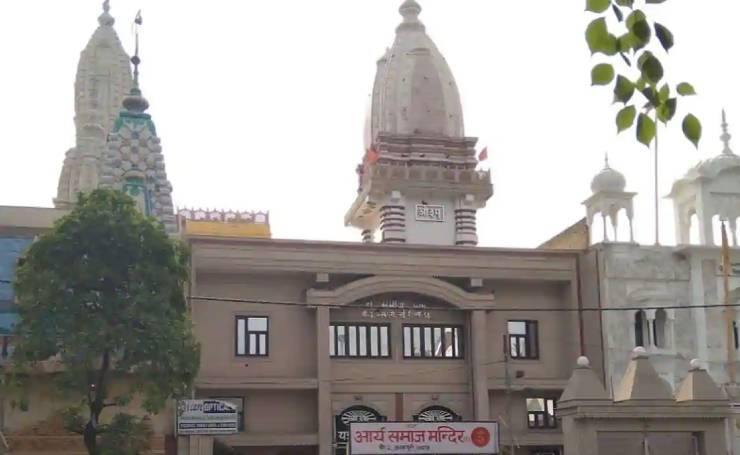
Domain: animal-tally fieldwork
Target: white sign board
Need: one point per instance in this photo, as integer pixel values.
(430, 212)
(423, 438)
(206, 417)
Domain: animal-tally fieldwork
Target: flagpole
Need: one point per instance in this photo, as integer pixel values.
(657, 203)
(729, 310)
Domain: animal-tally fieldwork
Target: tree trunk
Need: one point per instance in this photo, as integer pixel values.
(95, 404)
(90, 436)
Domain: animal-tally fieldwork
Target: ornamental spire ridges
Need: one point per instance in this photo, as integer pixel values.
(726, 136)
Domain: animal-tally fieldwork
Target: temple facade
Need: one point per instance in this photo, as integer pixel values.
(415, 322)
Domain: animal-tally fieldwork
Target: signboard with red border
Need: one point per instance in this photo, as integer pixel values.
(376, 438)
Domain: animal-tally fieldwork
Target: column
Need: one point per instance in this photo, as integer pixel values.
(323, 376)
(393, 219)
(465, 223)
(479, 357)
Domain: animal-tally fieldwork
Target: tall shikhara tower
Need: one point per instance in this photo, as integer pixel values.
(117, 142)
(133, 161)
(418, 181)
(103, 79)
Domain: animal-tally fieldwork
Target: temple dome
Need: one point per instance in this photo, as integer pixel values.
(711, 168)
(415, 92)
(608, 181)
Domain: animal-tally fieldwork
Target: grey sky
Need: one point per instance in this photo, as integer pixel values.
(261, 104)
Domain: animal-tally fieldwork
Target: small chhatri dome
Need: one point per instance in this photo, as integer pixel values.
(608, 180)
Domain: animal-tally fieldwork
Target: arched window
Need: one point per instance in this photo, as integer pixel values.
(640, 329)
(350, 415)
(660, 326)
(437, 414)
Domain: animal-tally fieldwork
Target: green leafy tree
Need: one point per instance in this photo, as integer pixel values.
(102, 293)
(638, 46)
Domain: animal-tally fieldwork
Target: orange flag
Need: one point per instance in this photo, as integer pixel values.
(483, 155)
(371, 156)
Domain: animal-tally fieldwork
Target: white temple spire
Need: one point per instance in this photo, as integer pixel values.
(103, 79)
(415, 121)
(726, 136)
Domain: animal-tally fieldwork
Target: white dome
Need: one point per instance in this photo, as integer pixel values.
(608, 181)
(714, 166)
(415, 91)
(711, 168)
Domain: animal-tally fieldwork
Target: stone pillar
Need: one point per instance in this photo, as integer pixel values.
(323, 376)
(683, 225)
(393, 219)
(465, 224)
(479, 357)
(706, 231)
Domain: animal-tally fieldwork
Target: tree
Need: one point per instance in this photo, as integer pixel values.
(632, 46)
(102, 293)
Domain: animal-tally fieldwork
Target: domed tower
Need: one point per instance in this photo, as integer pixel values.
(608, 199)
(103, 79)
(418, 180)
(133, 161)
(710, 188)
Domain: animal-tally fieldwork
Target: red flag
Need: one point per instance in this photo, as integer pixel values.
(483, 155)
(371, 156)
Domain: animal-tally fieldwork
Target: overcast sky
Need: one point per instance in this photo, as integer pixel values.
(261, 104)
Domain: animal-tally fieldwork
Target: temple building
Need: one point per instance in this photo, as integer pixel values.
(415, 322)
(652, 283)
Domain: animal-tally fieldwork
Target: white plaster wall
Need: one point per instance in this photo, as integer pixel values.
(430, 232)
(646, 276)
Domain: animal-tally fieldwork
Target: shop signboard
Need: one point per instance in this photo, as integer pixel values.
(377, 438)
(206, 417)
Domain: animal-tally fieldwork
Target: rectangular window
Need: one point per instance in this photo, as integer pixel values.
(523, 342)
(432, 341)
(251, 336)
(735, 334)
(359, 340)
(541, 413)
